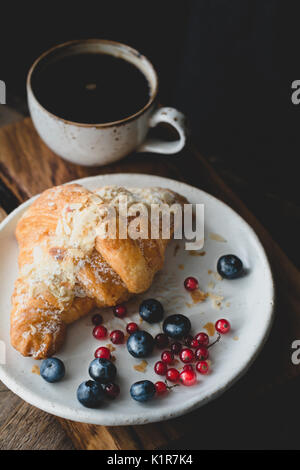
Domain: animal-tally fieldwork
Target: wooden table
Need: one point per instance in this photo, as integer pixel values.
(27, 167)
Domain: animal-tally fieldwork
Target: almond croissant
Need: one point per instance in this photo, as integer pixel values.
(66, 267)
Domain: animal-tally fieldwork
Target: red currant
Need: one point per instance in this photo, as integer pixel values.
(161, 340)
(97, 319)
(176, 348)
(188, 367)
(112, 390)
(187, 355)
(188, 377)
(131, 328)
(120, 311)
(191, 283)
(202, 353)
(167, 357)
(188, 340)
(202, 367)
(160, 368)
(222, 326)
(161, 388)
(102, 352)
(173, 375)
(202, 339)
(194, 343)
(117, 337)
(100, 332)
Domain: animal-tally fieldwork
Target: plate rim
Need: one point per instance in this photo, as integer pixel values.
(137, 418)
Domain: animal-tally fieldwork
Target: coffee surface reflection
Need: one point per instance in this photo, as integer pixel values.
(91, 88)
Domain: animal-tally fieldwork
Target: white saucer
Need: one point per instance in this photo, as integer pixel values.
(247, 303)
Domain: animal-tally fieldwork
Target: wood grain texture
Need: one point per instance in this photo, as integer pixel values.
(24, 427)
(9, 115)
(2, 214)
(27, 167)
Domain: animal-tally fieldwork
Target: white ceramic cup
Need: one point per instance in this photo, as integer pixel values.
(103, 143)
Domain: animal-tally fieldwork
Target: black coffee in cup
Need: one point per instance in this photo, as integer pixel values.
(90, 88)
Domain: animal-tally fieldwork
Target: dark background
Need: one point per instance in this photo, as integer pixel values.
(229, 65)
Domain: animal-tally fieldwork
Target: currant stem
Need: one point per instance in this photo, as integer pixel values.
(216, 341)
(170, 386)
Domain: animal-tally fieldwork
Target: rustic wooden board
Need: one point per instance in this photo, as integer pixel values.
(27, 167)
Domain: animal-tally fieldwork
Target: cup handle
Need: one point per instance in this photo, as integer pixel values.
(174, 118)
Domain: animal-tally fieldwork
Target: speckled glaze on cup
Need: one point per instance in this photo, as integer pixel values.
(100, 144)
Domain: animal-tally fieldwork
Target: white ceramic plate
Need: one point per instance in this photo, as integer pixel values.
(247, 303)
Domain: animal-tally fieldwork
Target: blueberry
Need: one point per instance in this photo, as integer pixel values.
(52, 369)
(143, 390)
(151, 310)
(90, 394)
(177, 326)
(140, 344)
(229, 266)
(102, 370)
